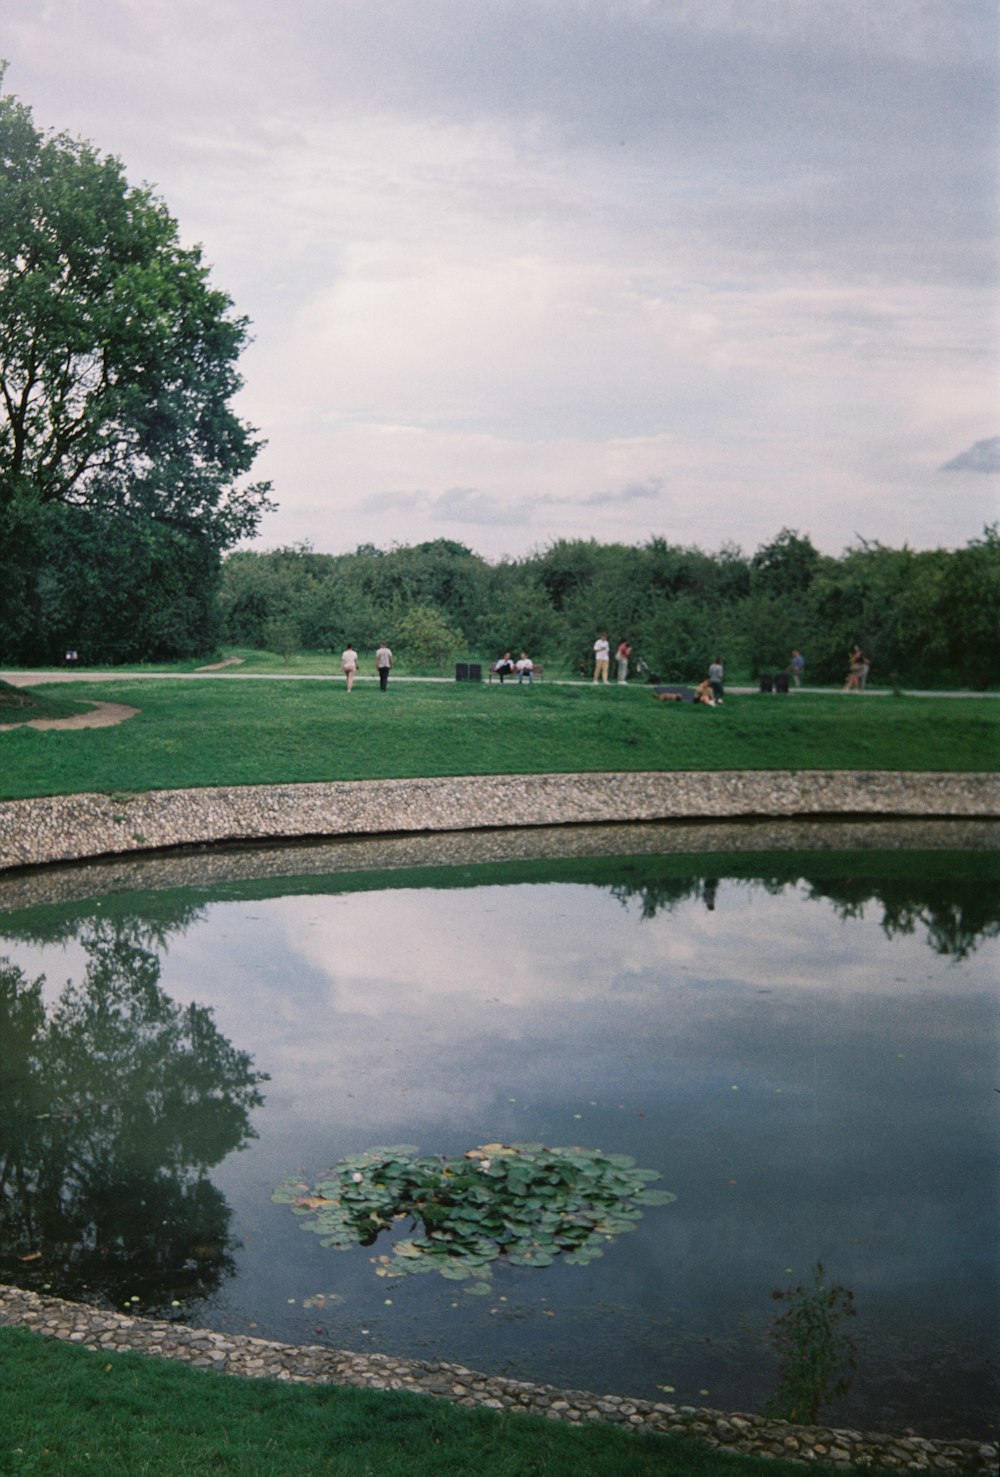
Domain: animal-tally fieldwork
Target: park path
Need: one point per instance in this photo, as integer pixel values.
(216, 673)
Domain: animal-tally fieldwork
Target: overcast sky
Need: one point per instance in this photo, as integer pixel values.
(521, 270)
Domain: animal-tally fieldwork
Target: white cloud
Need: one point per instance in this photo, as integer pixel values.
(505, 265)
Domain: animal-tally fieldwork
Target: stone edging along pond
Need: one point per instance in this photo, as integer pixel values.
(71, 827)
(255, 1358)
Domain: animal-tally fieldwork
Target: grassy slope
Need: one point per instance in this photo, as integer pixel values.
(68, 1411)
(193, 733)
(20, 705)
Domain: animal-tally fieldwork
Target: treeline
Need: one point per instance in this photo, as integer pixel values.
(927, 618)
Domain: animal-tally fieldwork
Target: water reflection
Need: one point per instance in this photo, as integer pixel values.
(114, 1104)
(802, 1046)
(956, 915)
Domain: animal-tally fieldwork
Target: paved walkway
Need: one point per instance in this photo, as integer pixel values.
(216, 673)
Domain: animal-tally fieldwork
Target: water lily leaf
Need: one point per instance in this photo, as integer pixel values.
(524, 1202)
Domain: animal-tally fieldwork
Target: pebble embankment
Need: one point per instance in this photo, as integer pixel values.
(255, 1358)
(71, 827)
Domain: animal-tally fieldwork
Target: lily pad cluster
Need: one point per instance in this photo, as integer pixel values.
(523, 1202)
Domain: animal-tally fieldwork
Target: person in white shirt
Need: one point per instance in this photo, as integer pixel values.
(602, 654)
(524, 667)
(349, 662)
(383, 662)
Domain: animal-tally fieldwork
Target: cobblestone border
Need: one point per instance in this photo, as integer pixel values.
(255, 1358)
(71, 827)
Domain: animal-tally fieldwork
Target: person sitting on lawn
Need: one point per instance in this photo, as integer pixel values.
(703, 693)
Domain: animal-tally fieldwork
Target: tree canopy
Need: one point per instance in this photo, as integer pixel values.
(118, 363)
(929, 618)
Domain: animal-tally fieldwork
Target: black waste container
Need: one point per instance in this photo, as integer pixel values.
(781, 681)
(475, 672)
(766, 682)
(461, 671)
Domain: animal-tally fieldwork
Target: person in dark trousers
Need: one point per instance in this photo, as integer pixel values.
(383, 664)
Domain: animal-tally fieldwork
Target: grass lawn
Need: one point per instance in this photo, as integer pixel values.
(68, 1411)
(20, 705)
(192, 733)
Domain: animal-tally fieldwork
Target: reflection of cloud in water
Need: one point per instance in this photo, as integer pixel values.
(462, 997)
(863, 1070)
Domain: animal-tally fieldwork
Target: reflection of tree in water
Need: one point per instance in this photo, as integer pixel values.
(660, 896)
(113, 1105)
(958, 914)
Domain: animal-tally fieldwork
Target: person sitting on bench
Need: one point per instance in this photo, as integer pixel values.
(505, 666)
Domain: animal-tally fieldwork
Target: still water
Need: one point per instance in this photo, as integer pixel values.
(804, 1048)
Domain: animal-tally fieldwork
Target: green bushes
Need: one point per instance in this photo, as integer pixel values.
(926, 619)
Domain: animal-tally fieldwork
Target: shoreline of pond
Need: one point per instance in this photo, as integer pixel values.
(106, 1332)
(62, 828)
(469, 815)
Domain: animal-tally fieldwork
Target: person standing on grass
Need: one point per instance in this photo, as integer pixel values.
(383, 662)
(715, 675)
(349, 662)
(621, 660)
(602, 655)
(858, 672)
(797, 666)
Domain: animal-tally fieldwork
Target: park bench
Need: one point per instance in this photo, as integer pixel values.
(536, 673)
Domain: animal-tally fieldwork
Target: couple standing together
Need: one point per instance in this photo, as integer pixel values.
(602, 657)
(383, 664)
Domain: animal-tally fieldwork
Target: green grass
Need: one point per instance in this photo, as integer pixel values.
(195, 733)
(20, 705)
(67, 1410)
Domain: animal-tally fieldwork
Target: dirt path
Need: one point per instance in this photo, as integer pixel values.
(101, 715)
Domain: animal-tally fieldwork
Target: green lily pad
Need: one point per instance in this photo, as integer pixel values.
(522, 1203)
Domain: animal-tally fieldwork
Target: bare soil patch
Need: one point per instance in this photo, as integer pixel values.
(101, 715)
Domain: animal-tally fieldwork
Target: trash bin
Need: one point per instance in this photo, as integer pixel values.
(766, 682)
(461, 671)
(781, 681)
(475, 672)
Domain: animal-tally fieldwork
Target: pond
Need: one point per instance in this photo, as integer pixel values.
(798, 1045)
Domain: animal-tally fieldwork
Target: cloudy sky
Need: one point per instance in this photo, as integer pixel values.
(522, 270)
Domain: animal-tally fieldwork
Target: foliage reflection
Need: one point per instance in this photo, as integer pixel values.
(114, 1104)
(957, 915)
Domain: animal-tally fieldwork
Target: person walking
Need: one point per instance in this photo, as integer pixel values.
(349, 663)
(797, 666)
(602, 655)
(383, 663)
(621, 661)
(715, 676)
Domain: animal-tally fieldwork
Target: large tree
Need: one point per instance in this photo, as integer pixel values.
(117, 367)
